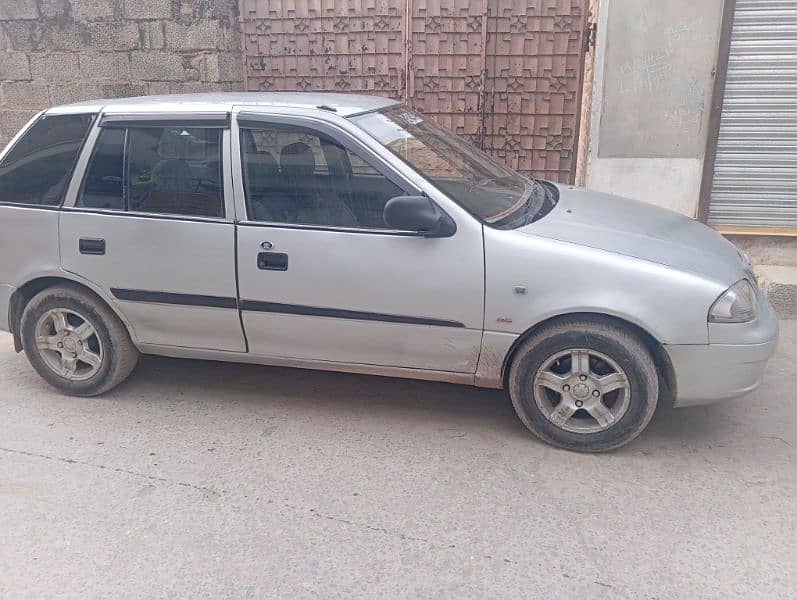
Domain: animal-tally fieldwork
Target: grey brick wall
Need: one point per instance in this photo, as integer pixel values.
(59, 51)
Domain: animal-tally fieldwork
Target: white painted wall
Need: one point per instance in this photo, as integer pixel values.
(670, 182)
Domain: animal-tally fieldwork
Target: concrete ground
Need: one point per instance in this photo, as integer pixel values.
(207, 480)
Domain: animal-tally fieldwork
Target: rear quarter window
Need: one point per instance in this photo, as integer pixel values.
(37, 170)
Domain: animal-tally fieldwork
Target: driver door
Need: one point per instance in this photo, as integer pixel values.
(323, 278)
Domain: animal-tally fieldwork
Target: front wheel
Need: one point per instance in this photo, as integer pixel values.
(75, 342)
(584, 385)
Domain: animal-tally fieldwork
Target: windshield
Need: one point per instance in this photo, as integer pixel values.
(490, 191)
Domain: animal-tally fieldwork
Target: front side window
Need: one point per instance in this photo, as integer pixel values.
(488, 190)
(160, 170)
(300, 176)
(38, 168)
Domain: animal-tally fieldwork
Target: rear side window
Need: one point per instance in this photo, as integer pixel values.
(38, 168)
(160, 170)
(102, 186)
(175, 171)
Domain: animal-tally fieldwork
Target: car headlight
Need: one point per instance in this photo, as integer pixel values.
(737, 305)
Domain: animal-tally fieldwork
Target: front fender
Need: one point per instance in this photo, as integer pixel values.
(563, 278)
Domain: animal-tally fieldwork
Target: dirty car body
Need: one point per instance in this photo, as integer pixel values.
(347, 233)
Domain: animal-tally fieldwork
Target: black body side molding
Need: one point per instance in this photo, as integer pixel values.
(336, 313)
(172, 298)
(274, 307)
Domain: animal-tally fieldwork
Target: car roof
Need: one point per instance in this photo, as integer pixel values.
(344, 104)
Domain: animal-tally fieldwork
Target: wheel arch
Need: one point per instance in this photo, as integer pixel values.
(27, 290)
(662, 360)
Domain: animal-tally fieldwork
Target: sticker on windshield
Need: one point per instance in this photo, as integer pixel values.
(411, 118)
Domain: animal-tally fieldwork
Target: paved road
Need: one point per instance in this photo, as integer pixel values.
(212, 480)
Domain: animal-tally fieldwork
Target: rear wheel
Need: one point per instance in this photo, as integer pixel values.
(75, 342)
(585, 385)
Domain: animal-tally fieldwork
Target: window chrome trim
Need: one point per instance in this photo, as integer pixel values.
(280, 225)
(146, 215)
(29, 206)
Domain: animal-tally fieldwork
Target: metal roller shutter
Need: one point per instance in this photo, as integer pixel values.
(755, 177)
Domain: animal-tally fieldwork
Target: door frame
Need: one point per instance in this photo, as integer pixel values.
(145, 118)
(351, 136)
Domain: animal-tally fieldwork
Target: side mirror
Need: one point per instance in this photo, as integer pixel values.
(418, 213)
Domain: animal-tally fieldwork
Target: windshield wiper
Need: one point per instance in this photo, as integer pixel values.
(534, 196)
(493, 180)
(547, 198)
(522, 206)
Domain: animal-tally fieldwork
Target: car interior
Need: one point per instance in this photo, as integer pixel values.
(175, 171)
(170, 171)
(291, 176)
(304, 178)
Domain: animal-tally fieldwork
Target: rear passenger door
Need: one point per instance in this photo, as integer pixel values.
(149, 223)
(35, 170)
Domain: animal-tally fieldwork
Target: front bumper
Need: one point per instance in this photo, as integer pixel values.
(705, 374)
(5, 298)
(731, 365)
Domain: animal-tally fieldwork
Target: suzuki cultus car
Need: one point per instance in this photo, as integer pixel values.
(349, 233)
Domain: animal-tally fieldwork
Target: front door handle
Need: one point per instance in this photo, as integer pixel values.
(91, 246)
(272, 261)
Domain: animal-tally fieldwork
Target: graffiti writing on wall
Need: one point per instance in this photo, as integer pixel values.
(658, 75)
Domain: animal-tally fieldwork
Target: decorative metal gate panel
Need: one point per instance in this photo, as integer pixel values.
(505, 74)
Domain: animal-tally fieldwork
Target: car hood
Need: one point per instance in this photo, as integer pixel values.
(642, 231)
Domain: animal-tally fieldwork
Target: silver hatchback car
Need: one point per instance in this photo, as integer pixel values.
(349, 233)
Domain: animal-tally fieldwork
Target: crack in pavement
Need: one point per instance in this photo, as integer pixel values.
(400, 534)
(777, 438)
(314, 512)
(72, 461)
(384, 530)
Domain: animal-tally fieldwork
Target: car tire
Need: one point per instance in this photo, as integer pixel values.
(588, 385)
(75, 342)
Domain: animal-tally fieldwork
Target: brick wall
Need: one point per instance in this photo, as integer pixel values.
(59, 51)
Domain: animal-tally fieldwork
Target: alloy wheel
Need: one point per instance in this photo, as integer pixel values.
(582, 391)
(69, 344)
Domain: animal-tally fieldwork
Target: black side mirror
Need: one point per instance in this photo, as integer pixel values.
(418, 213)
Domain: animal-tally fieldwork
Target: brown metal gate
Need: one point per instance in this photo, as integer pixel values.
(505, 74)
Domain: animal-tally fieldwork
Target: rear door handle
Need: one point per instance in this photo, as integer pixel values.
(272, 261)
(91, 246)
